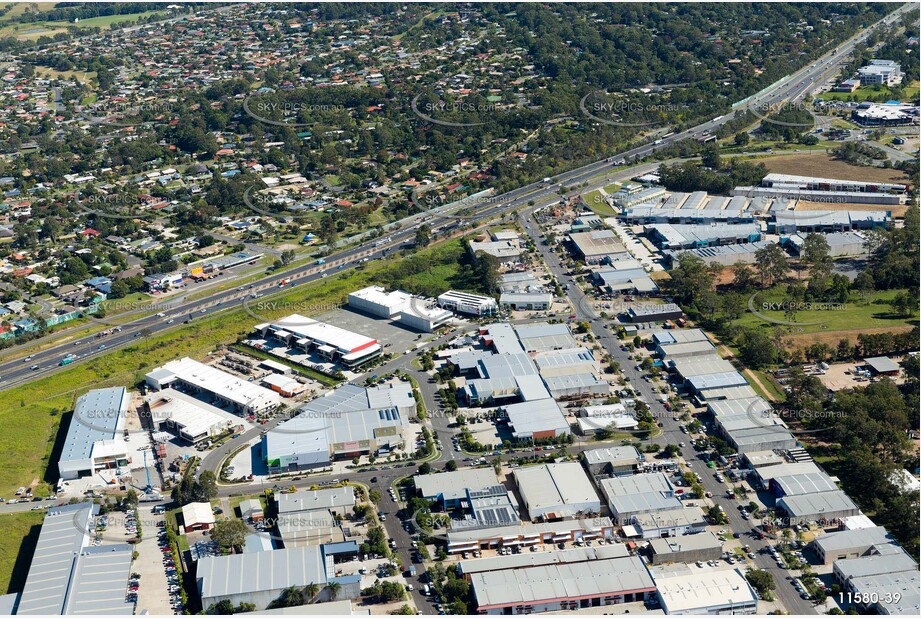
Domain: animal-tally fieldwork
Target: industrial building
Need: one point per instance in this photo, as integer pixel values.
(261, 577)
(667, 523)
(526, 534)
(225, 389)
(95, 439)
(70, 576)
(197, 516)
(187, 418)
(345, 423)
(559, 587)
(800, 221)
(336, 500)
(374, 300)
(529, 559)
(840, 244)
(885, 115)
(532, 421)
(423, 318)
(683, 236)
(886, 559)
(526, 301)
(654, 313)
(464, 302)
(597, 419)
(735, 213)
(684, 590)
(596, 246)
(630, 199)
(326, 340)
(883, 366)
(284, 385)
(624, 277)
(689, 548)
(612, 461)
(503, 250)
(812, 183)
(826, 507)
(724, 255)
(543, 337)
(450, 488)
(883, 72)
(556, 491)
(631, 496)
(894, 594)
(850, 543)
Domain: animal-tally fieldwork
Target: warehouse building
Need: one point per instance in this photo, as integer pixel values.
(224, 389)
(345, 423)
(261, 577)
(556, 491)
(197, 516)
(560, 587)
(187, 418)
(690, 236)
(805, 221)
(503, 250)
(620, 280)
(286, 386)
(799, 484)
(683, 590)
(68, 575)
(532, 421)
(526, 534)
(840, 244)
(596, 246)
(649, 215)
(723, 255)
(813, 183)
(825, 197)
(631, 496)
(449, 489)
(472, 304)
(767, 470)
(631, 199)
(95, 438)
(543, 337)
(688, 548)
(422, 318)
(336, 500)
(597, 419)
(654, 313)
(828, 507)
(850, 543)
(612, 461)
(326, 340)
(519, 282)
(675, 522)
(886, 559)
(374, 300)
(883, 366)
(541, 558)
(526, 301)
(893, 594)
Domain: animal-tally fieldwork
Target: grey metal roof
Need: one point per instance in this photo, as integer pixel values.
(892, 562)
(534, 416)
(220, 576)
(531, 585)
(454, 485)
(98, 415)
(847, 539)
(528, 559)
(613, 454)
(818, 505)
(882, 364)
(537, 337)
(64, 533)
(312, 500)
(810, 483)
(685, 542)
(886, 585)
(99, 581)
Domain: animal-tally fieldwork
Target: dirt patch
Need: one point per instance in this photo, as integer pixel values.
(832, 338)
(898, 212)
(825, 166)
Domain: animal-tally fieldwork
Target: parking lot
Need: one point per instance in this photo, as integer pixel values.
(153, 584)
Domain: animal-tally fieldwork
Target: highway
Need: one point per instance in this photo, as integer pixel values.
(16, 372)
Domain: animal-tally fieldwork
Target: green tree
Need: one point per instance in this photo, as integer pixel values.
(229, 534)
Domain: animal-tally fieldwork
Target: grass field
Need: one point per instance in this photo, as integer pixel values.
(878, 94)
(595, 201)
(30, 414)
(34, 30)
(17, 538)
(855, 314)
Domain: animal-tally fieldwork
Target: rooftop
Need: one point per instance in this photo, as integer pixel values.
(220, 576)
(454, 485)
(98, 415)
(686, 591)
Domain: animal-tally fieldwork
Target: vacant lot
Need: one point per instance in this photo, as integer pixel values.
(18, 528)
(823, 165)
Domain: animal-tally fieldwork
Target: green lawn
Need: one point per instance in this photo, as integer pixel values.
(875, 93)
(595, 201)
(16, 538)
(854, 314)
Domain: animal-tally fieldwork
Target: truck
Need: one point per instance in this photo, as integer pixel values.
(66, 361)
(283, 283)
(321, 261)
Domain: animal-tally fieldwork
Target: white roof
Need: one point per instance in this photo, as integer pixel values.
(221, 383)
(555, 486)
(394, 301)
(454, 485)
(324, 334)
(196, 418)
(334, 497)
(197, 513)
(687, 590)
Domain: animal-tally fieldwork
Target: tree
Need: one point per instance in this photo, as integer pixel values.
(450, 466)
(762, 581)
(423, 235)
(903, 305)
(425, 468)
(287, 256)
(756, 349)
(711, 157)
(772, 264)
(229, 534)
(374, 496)
(333, 588)
(742, 139)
